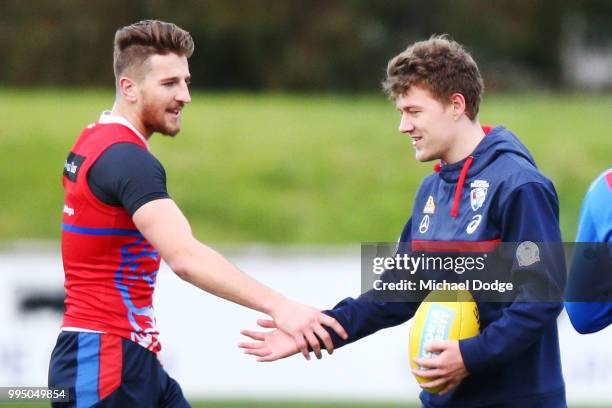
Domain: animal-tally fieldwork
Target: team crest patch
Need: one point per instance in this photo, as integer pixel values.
(478, 193)
(477, 197)
(527, 253)
(430, 206)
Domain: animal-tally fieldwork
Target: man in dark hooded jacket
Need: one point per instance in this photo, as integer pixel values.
(486, 191)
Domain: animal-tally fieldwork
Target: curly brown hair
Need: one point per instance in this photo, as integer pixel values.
(135, 43)
(440, 65)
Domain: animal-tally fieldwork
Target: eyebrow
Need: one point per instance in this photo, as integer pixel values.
(409, 107)
(175, 78)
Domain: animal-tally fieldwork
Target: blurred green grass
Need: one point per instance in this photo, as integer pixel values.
(287, 169)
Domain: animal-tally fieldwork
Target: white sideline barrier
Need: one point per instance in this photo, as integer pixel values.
(199, 334)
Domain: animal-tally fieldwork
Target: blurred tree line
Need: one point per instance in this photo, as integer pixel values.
(335, 45)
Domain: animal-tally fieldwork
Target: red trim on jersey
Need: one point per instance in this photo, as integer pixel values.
(609, 179)
(466, 166)
(111, 361)
(455, 246)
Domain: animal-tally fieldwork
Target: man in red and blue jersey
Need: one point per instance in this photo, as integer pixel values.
(485, 191)
(591, 281)
(119, 222)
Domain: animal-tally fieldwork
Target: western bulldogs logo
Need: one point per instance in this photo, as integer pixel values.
(478, 193)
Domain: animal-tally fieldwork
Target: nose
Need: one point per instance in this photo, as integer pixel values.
(183, 95)
(405, 125)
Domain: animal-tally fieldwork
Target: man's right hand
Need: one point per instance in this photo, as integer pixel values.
(304, 323)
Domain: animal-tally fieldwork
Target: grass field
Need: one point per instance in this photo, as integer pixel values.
(287, 169)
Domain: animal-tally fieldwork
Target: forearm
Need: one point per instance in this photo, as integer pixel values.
(361, 317)
(205, 268)
(167, 229)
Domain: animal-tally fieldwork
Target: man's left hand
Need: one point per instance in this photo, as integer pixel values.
(446, 369)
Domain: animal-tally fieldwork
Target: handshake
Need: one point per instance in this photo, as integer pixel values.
(296, 328)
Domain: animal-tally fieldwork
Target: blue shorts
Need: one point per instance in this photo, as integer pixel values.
(105, 370)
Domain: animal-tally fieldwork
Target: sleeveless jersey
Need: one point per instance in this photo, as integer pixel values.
(110, 268)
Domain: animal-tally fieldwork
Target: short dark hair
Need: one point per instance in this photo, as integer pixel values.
(440, 65)
(135, 43)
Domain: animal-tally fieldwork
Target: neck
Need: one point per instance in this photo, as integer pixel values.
(120, 109)
(467, 138)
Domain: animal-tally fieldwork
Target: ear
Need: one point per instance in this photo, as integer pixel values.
(128, 89)
(457, 104)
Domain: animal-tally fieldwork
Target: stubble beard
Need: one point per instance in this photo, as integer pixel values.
(154, 120)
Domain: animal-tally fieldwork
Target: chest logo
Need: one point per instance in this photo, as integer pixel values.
(424, 225)
(527, 253)
(474, 223)
(478, 196)
(430, 206)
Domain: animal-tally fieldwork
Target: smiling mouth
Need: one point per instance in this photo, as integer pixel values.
(415, 139)
(174, 112)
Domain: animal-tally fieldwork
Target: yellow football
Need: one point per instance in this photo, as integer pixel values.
(443, 315)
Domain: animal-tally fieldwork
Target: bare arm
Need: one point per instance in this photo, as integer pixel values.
(166, 228)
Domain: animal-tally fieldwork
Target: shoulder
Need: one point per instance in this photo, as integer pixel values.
(599, 195)
(122, 163)
(518, 170)
(515, 173)
(596, 213)
(601, 187)
(128, 155)
(104, 129)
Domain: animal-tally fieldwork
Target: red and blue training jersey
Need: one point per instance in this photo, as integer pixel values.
(110, 268)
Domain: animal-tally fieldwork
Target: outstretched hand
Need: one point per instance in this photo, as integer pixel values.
(269, 346)
(304, 324)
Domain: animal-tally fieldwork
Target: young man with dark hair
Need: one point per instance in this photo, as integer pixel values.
(485, 190)
(119, 221)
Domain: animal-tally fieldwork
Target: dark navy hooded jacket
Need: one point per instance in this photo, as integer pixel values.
(514, 361)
